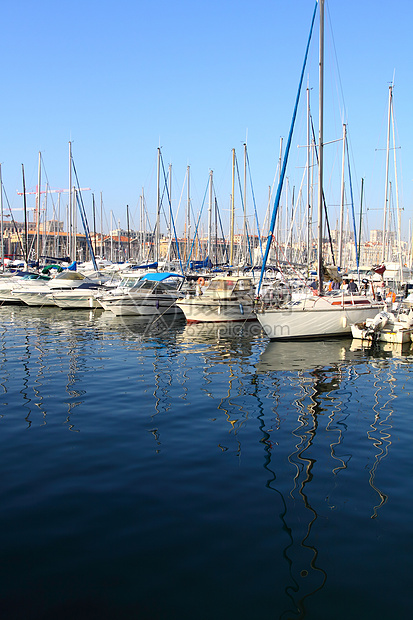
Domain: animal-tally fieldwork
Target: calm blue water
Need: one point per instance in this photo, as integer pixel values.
(175, 471)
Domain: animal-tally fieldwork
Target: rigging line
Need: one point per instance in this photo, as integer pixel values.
(243, 209)
(225, 246)
(12, 219)
(324, 198)
(47, 181)
(286, 153)
(336, 59)
(249, 246)
(172, 217)
(255, 207)
(196, 228)
(352, 211)
(84, 218)
(243, 206)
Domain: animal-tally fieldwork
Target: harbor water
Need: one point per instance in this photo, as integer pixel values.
(171, 471)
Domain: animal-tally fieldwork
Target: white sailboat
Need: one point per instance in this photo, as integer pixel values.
(319, 315)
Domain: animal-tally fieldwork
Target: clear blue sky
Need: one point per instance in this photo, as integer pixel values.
(119, 79)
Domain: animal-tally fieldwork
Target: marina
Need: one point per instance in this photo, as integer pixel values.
(165, 470)
(206, 366)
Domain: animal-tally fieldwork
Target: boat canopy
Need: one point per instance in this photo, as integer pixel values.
(160, 277)
(48, 268)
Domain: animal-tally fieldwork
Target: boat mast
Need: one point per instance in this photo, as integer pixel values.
(320, 152)
(70, 218)
(245, 240)
(38, 212)
(1, 223)
(386, 191)
(111, 236)
(232, 218)
(94, 223)
(127, 224)
(142, 234)
(158, 206)
(26, 236)
(209, 216)
(340, 239)
(399, 222)
(101, 226)
(361, 220)
(170, 214)
(188, 216)
(308, 185)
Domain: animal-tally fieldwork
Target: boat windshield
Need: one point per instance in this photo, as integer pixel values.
(153, 285)
(229, 285)
(128, 282)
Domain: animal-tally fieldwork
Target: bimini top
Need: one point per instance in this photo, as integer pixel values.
(160, 277)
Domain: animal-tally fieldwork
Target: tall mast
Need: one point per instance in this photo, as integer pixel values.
(101, 225)
(26, 237)
(188, 216)
(127, 224)
(158, 206)
(209, 216)
(320, 152)
(340, 240)
(142, 234)
(399, 223)
(44, 240)
(111, 236)
(70, 218)
(360, 221)
(170, 212)
(57, 236)
(232, 220)
(245, 242)
(386, 190)
(38, 211)
(279, 220)
(94, 223)
(308, 185)
(1, 222)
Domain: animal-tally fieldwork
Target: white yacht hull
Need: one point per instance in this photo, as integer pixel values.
(316, 318)
(140, 306)
(32, 298)
(198, 310)
(72, 300)
(394, 335)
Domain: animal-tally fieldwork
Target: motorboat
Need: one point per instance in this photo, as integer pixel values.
(42, 294)
(225, 298)
(386, 326)
(152, 294)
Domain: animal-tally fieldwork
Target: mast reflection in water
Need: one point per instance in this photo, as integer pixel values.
(153, 469)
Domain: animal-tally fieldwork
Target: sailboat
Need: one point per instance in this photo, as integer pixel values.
(318, 315)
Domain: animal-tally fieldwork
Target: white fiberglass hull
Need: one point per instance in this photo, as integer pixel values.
(317, 318)
(395, 334)
(33, 298)
(75, 299)
(198, 310)
(149, 305)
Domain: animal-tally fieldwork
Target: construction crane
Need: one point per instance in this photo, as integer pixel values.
(54, 191)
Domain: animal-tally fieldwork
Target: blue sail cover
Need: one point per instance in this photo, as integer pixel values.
(160, 277)
(150, 266)
(200, 264)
